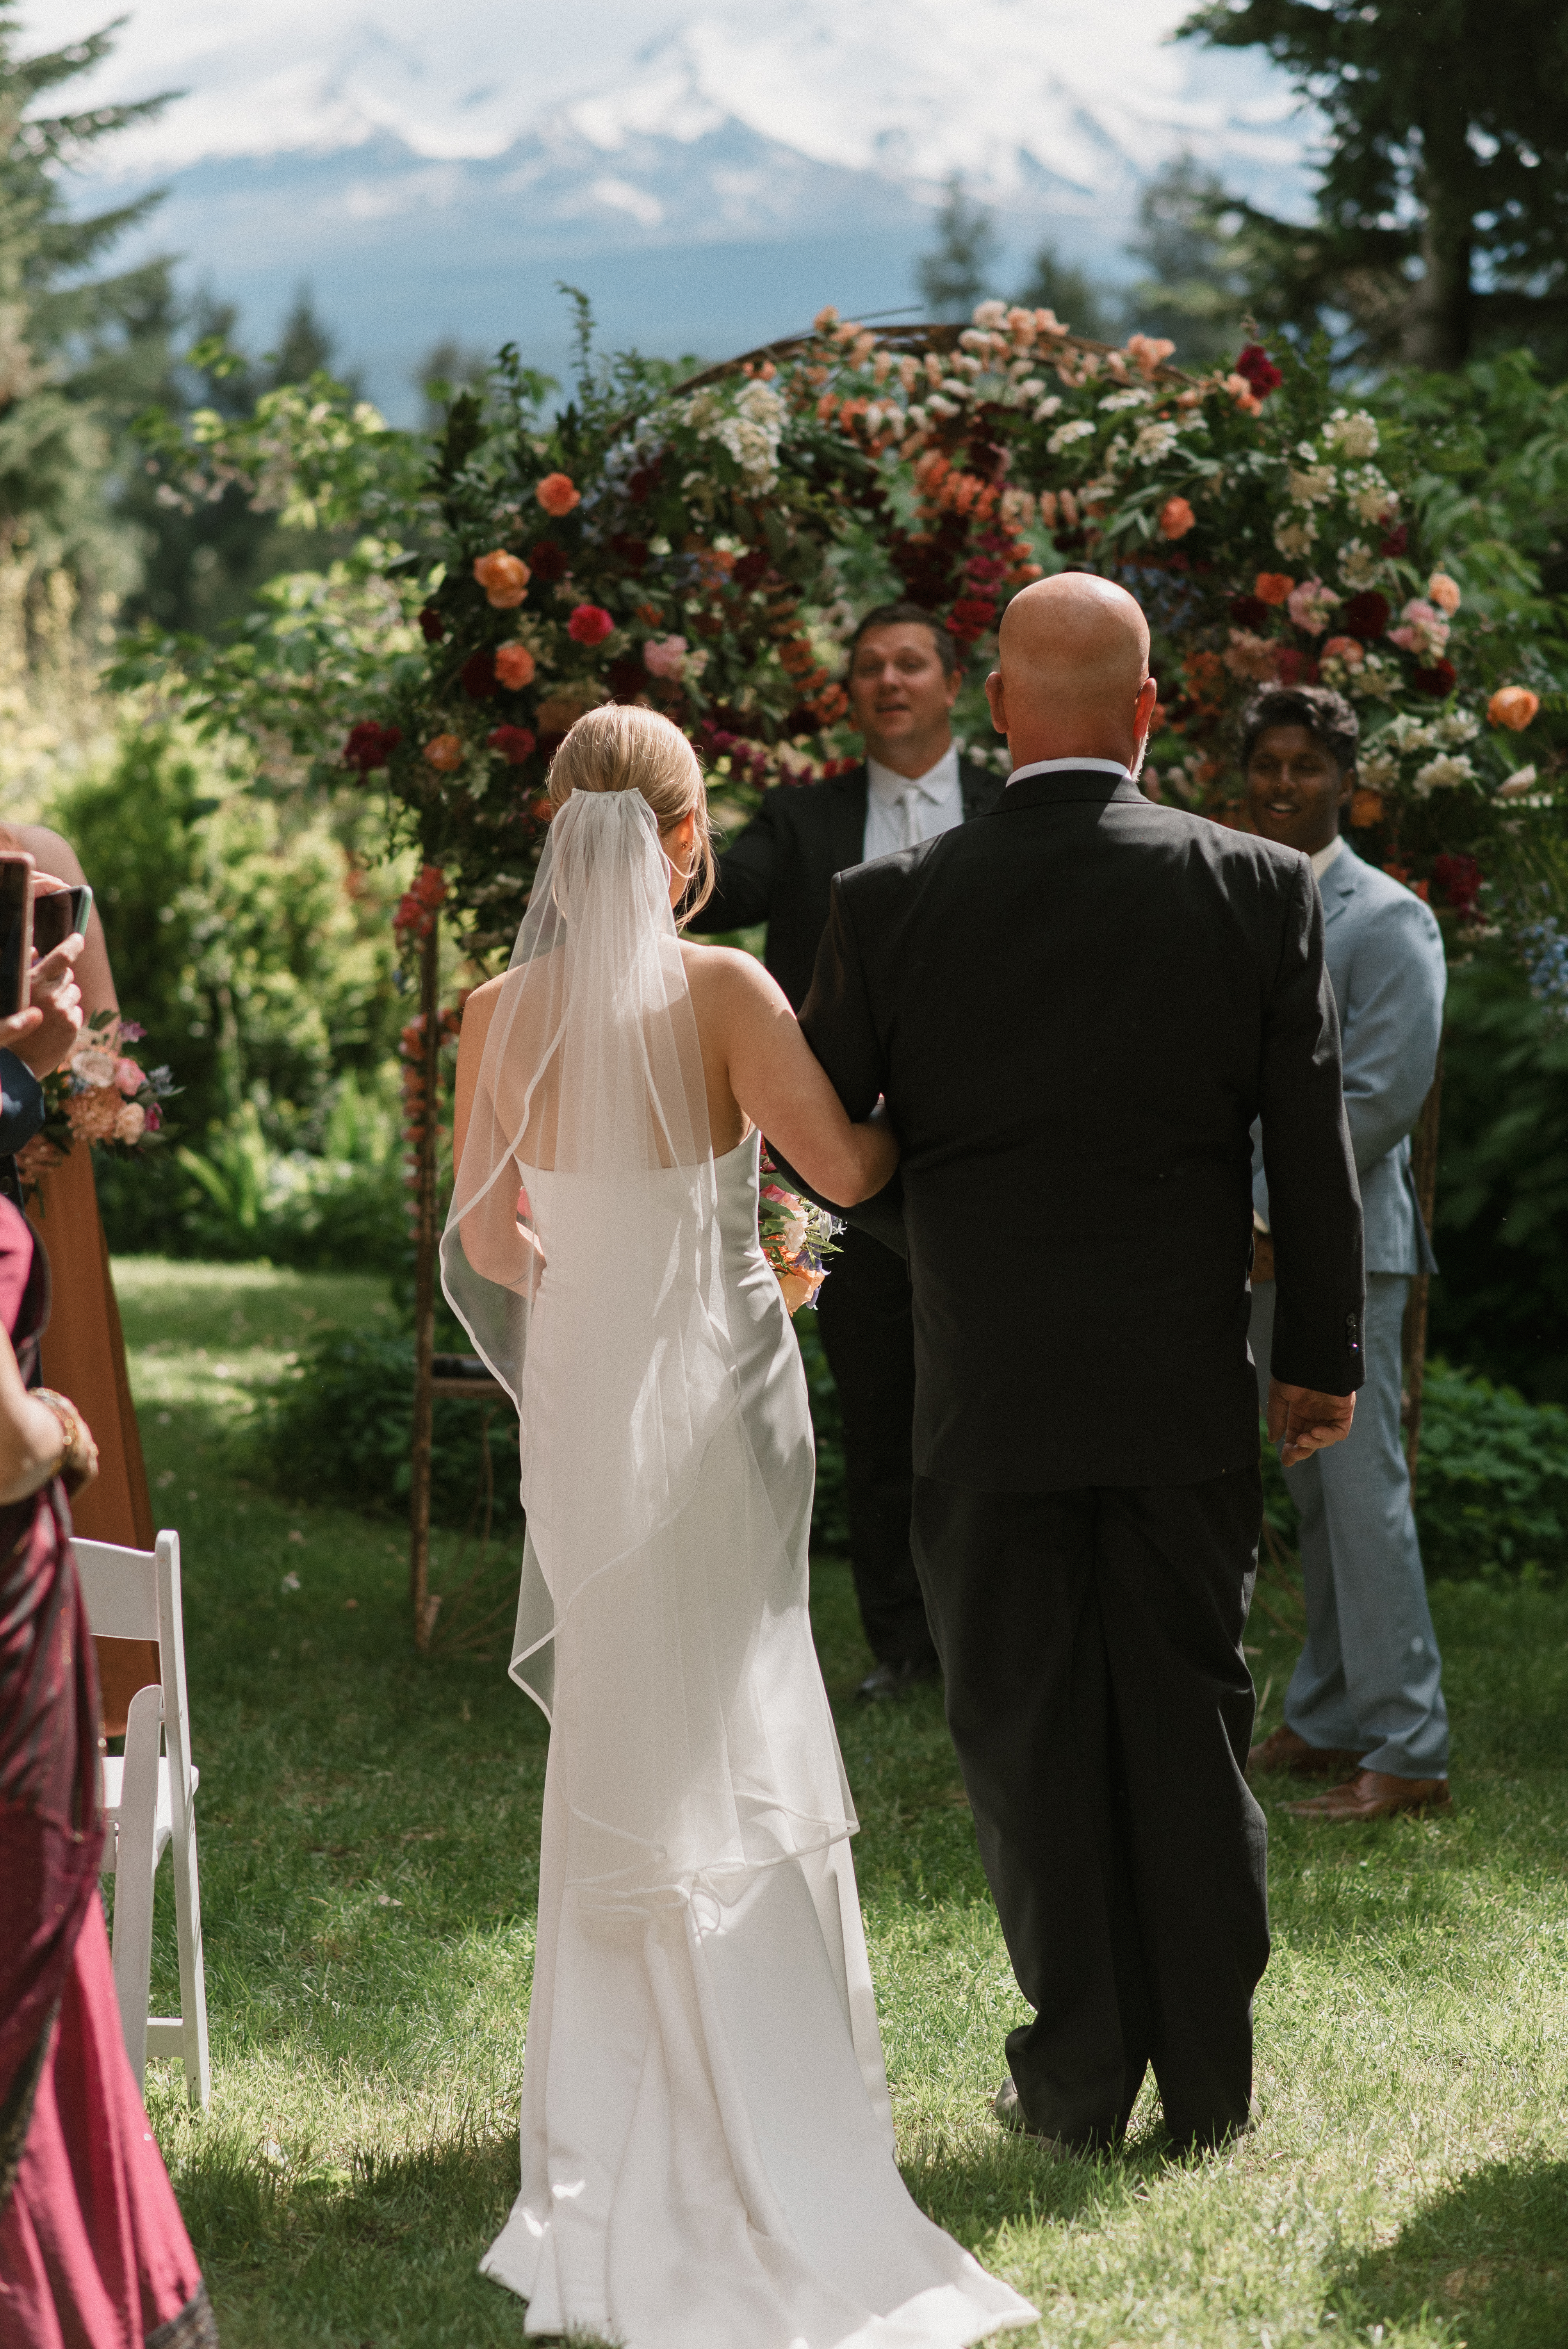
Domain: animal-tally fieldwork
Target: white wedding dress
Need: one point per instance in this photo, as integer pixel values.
(707, 2150)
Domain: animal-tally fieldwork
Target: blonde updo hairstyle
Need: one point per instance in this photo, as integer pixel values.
(623, 747)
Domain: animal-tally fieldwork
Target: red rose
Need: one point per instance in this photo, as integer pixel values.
(550, 562)
(1295, 667)
(1366, 616)
(513, 743)
(1249, 611)
(590, 624)
(370, 745)
(479, 676)
(1460, 878)
(1439, 680)
(1397, 542)
(1259, 370)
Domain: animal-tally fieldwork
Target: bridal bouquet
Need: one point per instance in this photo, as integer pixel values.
(796, 1235)
(101, 1095)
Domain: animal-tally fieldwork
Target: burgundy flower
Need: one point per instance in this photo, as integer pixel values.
(985, 571)
(641, 485)
(370, 745)
(633, 552)
(432, 627)
(627, 678)
(1297, 668)
(1397, 541)
(547, 562)
(590, 624)
(1366, 616)
(1439, 680)
(1460, 878)
(752, 569)
(1259, 370)
(513, 743)
(970, 618)
(1249, 612)
(479, 676)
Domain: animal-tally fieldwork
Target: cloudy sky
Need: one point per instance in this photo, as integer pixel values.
(322, 139)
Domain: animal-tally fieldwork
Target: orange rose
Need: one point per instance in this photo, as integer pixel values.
(1176, 518)
(1273, 586)
(445, 751)
(1513, 705)
(503, 577)
(514, 666)
(1444, 593)
(558, 493)
(1365, 808)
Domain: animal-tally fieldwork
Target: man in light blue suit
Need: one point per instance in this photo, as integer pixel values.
(1366, 1702)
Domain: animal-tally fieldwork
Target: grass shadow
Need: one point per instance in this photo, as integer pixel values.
(1490, 2255)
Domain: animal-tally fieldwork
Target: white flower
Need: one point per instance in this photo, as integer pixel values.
(1129, 398)
(943, 408)
(1357, 565)
(1457, 726)
(1374, 682)
(92, 1066)
(1153, 442)
(1377, 770)
(1443, 772)
(1408, 732)
(1372, 497)
(1355, 435)
(1312, 486)
(1521, 779)
(990, 313)
(1047, 408)
(1066, 434)
(1294, 535)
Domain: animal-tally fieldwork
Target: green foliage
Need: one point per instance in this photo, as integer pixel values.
(1078, 301)
(79, 352)
(344, 1204)
(1500, 1302)
(1442, 196)
(1200, 264)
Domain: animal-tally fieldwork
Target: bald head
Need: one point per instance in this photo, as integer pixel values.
(1074, 676)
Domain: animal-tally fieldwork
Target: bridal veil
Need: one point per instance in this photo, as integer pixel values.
(662, 1625)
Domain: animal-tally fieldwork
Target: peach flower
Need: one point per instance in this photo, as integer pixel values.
(514, 665)
(1273, 586)
(1513, 705)
(1444, 592)
(445, 751)
(504, 578)
(558, 493)
(1176, 518)
(1365, 808)
(1346, 650)
(131, 1124)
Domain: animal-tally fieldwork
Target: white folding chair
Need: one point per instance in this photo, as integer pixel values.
(149, 1803)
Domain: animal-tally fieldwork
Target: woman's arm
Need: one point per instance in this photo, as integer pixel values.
(493, 1241)
(33, 1438)
(52, 854)
(783, 1089)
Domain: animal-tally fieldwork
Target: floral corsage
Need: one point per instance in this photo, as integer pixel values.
(797, 1236)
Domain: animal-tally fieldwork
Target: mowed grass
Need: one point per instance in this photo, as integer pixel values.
(368, 1829)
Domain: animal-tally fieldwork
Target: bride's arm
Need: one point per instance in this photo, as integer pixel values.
(782, 1087)
(493, 1241)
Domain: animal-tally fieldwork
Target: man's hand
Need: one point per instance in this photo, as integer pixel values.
(1302, 1421)
(45, 1034)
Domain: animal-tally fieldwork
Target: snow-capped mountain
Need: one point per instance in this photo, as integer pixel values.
(708, 176)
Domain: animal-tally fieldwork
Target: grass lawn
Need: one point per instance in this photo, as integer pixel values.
(369, 1827)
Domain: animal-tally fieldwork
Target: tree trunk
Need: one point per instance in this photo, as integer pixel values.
(425, 1239)
(1424, 1168)
(1437, 320)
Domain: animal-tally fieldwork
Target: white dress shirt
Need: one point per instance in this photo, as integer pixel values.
(901, 813)
(1062, 766)
(1326, 856)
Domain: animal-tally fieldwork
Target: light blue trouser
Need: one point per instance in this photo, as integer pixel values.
(1370, 1677)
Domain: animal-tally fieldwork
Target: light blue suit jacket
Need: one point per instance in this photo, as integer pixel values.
(1389, 975)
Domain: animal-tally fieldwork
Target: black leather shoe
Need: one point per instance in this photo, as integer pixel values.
(897, 1679)
(1005, 2104)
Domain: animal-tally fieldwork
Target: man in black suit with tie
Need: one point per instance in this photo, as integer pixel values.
(1088, 1500)
(904, 677)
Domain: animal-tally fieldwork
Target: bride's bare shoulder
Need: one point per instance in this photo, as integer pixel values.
(725, 974)
(481, 1002)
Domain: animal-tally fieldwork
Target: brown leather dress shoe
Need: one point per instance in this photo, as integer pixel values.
(1375, 1795)
(1282, 1749)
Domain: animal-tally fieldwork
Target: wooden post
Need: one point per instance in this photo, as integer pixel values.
(425, 1241)
(1424, 1169)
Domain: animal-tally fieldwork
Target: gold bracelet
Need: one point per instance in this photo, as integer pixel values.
(70, 1418)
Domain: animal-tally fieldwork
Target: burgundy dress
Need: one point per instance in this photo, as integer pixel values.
(93, 2251)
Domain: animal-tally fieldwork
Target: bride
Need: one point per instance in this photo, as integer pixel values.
(708, 2153)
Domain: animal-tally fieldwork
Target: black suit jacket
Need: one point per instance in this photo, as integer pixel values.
(1075, 1176)
(781, 869)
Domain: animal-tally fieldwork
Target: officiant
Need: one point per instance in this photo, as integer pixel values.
(903, 678)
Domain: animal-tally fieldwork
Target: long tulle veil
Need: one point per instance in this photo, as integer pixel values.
(662, 1622)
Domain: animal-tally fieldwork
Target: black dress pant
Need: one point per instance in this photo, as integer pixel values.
(867, 1324)
(1101, 1707)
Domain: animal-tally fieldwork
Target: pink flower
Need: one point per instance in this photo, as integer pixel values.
(664, 656)
(154, 1117)
(590, 624)
(129, 1076)
(1252, 655)
(1346, 650)
(1310, 604)
(1425, 632)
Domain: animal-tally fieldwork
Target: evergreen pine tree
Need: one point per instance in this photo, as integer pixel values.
(1078, 302)
(1442, 196)
(959, 269)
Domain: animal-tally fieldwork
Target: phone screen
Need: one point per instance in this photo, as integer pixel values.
(57, 915)
(16, 933)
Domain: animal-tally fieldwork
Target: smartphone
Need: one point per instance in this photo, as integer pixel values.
(59, 915)
(15, 930)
